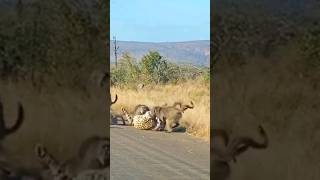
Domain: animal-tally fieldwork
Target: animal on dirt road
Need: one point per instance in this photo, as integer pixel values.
(93, 153)
(55, 169)
(144, 121)
(115, 118)
(58, 171)
(171, 115)
(91, 162)
(140, 109)
(221, 157)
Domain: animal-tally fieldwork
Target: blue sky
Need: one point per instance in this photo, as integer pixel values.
(160, 20)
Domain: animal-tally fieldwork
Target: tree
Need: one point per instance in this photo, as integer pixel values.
(154, 67)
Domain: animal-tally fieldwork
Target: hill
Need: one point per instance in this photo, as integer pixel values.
(191, 52)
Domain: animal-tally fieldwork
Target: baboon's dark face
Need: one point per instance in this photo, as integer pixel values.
(155, 112)
(185, 107)
(103, 79)
(142, 109)
(104, 154)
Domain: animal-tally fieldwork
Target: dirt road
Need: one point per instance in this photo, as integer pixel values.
(149, 155)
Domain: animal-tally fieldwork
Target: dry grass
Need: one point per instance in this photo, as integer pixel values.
(197, 120)
(59, 118)
(272, 92)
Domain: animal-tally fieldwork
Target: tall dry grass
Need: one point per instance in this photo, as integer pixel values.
(197, 120)
(60, 118)
(277, 93)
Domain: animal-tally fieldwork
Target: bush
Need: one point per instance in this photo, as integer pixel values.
(127, 72)
(152, 69)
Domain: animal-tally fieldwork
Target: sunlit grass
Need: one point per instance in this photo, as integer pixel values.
(197, 120)
(60, 119)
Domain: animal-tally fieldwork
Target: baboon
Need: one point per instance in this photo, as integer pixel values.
(140, 109)
(60, 172)
(4, 131)
(222, 157)
(94, 153)
(183, 107)
(170, 115)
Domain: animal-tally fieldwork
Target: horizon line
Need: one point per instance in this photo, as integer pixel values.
(161, 41)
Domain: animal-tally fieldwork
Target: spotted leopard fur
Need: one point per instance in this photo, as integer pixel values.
(55, 168)
(144, 122)
(58, 172)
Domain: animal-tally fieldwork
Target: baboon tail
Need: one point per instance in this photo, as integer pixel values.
(19, 121)
(192, 105)
(242, 144)
(116, 98)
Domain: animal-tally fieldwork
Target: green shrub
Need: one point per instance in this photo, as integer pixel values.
(127, 71)
(153, 69)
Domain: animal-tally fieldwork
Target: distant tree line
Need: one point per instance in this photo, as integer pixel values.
(153, 69)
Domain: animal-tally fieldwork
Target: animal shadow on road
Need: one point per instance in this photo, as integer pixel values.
(116, 127)
(179, 129)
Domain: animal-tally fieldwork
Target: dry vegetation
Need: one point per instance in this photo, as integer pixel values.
(279, 93)
(60, 118)
(267, 72)
(48, 52)
(197, 120)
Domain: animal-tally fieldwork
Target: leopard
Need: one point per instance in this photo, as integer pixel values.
(143, 122)
(58, 172)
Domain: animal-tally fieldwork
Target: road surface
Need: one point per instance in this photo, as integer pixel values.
(152, 155)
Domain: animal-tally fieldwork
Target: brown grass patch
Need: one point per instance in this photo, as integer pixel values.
(275, 93)
(60, 118)
(197, 120)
